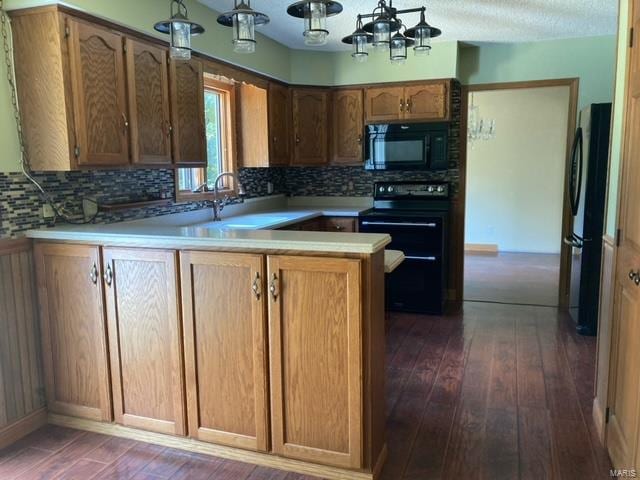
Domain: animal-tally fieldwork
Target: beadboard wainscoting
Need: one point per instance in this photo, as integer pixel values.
(22, 397)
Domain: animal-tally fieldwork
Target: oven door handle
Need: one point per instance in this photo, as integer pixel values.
(401, 224)
(424, 259)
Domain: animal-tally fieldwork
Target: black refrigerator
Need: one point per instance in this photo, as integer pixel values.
(587, 191)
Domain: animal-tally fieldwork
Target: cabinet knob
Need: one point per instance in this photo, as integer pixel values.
(409, 105)
(275, 139)
(634, 276)
(402, 104)
(125, 124)
(273, 287)
(360, 139)
(255, 287)
(108, 276)
(339, 228)
(93, 275)
(297, 139)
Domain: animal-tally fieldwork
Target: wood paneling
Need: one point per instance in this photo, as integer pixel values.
(21, 380)
(310, 110)
(280, 134)
(99, 94)
(315, 322)
(427, 102)
(73, 330)
(347, 127)
(187, 112)
(253, 126)
(223, 305)
(145, 339)
(383, 104)
(148, 89)
(47, 120)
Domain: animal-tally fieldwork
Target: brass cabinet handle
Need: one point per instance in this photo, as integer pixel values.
(275, 139)
(255, 287)
(339, 228)
(360, 139)
(273, 287)
(402, 104)
(108, 276)
(635, 277)
(169, 129)
(409, 105)
(93, 275)
(297, 139)
(125, 124)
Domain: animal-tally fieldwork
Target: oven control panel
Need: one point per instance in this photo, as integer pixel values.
(389, 190)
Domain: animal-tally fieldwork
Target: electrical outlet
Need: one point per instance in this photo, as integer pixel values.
(47, 211)
(89, 208)
(269, 188)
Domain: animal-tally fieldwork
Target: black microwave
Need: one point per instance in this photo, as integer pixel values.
(411, 146)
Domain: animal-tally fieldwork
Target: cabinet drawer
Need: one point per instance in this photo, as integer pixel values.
(340, 224)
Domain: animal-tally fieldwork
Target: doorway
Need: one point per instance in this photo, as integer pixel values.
(516, 208)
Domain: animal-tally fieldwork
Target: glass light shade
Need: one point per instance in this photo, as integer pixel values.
(398, 49)
(381, 34)
(315, 24)
(423, 41)
(180, 41)
(359, 44)
(244, 33)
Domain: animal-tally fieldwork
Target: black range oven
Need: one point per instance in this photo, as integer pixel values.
(413, 146)
(416, 215)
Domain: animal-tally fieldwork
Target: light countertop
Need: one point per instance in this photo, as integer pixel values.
(255, 230)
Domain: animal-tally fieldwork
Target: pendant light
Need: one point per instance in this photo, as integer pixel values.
(359, 40)
(422, 33)
(315, 13)
(180, 29)
(398, 48)
(243, 19)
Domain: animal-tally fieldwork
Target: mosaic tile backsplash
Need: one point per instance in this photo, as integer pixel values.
(21, 206)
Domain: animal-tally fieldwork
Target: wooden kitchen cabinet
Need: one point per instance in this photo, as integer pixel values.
(315, 325)
(186, 83)
(310, 108)
(340, 224)
(223, 305)
(279, 106)
(145, 341)
(428, 101)
(253, 126)
(148, 94)
(347, 127)
(74, 342)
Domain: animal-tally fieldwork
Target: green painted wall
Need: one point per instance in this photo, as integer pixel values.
(338, 68)
(272, 58)
(592, 59)
(618, 119)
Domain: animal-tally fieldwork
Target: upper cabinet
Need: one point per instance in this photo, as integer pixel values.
(98, 89)
(148, 89)
(92, 96)
(310, 109)
(428, 101)
(187, 113)
(279, 124)
(347, 127)
(253, 126)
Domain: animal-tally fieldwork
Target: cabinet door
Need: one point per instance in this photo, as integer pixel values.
(148, 88)
(383, 104)
(310, 108)
(340, 224)
(144, 339)
(427, 102)
(187, 113)
(98, 87)
(279, 124)
(253, 126)
(73, 330)
(315, 330)
(225, 348)
(347, 127)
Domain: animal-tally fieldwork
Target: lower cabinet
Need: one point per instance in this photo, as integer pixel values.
(223, 303)
(74, 340)
(141, 287)
(315, 332)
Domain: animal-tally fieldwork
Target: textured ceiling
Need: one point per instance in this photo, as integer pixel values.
(463, 20)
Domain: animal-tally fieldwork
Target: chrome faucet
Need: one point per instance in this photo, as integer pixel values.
(217, 203)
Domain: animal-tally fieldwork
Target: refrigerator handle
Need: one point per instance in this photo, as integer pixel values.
(575, 175)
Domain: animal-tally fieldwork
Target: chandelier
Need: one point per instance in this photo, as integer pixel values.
(386, 32)
(479, 128)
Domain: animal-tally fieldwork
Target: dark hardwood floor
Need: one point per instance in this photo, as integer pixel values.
(499, 392)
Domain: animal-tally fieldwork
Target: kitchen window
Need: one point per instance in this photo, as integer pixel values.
(219, 105)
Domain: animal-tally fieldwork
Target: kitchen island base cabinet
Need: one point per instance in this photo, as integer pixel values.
(225, 348)
(141, 287)
(74, 338)
(315, 328)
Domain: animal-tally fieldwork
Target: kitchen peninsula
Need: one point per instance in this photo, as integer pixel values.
(222, 333)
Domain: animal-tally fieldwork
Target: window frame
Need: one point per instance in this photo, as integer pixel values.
(229, 147)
